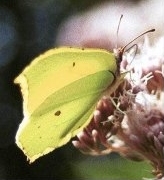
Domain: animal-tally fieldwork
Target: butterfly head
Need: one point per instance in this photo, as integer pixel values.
(118, 52)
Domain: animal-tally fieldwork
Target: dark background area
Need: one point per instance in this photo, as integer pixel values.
(28, 28)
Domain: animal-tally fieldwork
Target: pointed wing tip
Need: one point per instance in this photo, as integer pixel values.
(30, 158)
(17, 80)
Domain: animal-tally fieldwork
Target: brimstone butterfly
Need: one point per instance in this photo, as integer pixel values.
(60, 90)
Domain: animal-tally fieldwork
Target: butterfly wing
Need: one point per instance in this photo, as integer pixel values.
(60, 91)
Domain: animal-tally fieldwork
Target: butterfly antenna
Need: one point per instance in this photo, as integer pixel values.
(118, 30)
(119, 51)
(151, 30)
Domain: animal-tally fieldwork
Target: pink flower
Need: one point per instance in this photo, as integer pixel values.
(131, 121)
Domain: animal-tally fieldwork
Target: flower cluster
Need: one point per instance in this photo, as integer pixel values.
(131, 121)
